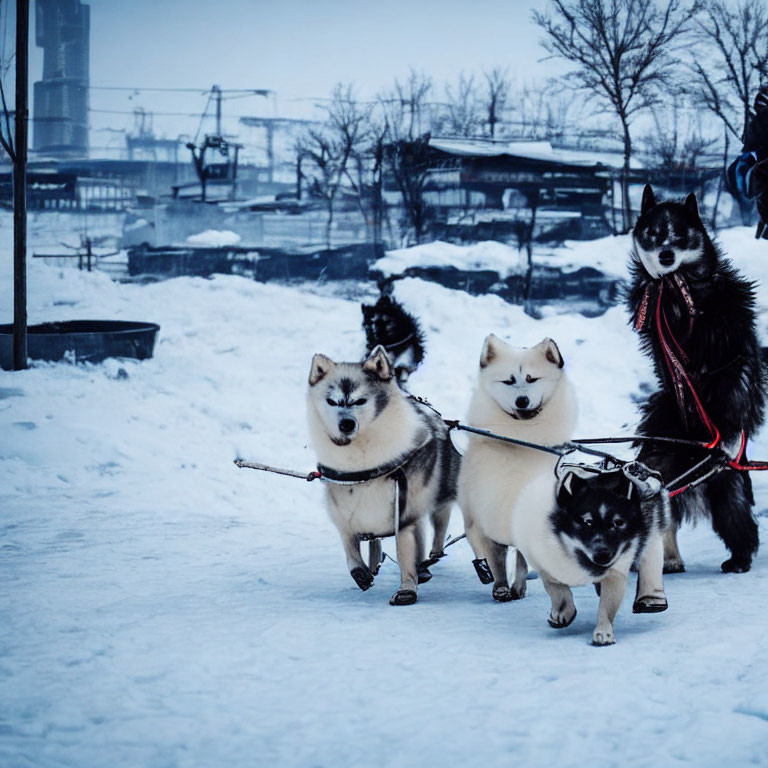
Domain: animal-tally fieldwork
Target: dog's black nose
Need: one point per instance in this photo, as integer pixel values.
(347, 425)
(601, 556)
(667, 258)
(522, 402)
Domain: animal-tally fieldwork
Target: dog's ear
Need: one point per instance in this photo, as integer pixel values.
(649, 200)
(379, 364)
(692, 206)
(551, 352)
(490, 350)
(569, 486)
(320, 366)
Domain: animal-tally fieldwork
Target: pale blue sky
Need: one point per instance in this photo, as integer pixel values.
(298, 48)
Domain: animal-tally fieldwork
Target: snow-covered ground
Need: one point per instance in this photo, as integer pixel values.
(214, 238)
(160, 607)
(487, 255)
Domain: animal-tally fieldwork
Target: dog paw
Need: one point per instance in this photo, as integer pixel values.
(736, 565)
(502, 593)
(363, 577)
(561, 620)
(423, 573)
(650, 604)
(518, 592)
(603, 637)
(403, 597)
(674, 566)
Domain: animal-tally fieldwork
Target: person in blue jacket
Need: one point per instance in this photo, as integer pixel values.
(747, 176)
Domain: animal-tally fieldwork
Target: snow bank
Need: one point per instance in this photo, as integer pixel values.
(214, 238)
(487, 255)
(607, 254)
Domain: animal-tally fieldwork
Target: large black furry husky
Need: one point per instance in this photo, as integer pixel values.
(696, 319)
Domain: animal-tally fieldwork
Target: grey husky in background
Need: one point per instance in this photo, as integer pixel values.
(590, 527)
(361, 421)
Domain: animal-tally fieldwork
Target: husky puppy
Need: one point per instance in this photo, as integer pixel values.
(589, 528)
(520, 393)
(387, 323)
(361, 424)
(696, 318)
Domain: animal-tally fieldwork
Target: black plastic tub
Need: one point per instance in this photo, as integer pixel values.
(82, 341)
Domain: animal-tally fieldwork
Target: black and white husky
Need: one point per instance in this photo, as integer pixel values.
(388, 323)
(524, 394)
(397, 454)
(591, 527)
(696, 319)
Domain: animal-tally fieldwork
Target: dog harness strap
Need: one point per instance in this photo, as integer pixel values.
(363, 476)
(399, 343)
(748, 465)
(401, 494)
(643, 311)
(680, 378)
(682, 287)
(366, 475)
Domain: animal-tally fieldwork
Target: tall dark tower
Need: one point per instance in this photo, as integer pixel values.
(62, 30)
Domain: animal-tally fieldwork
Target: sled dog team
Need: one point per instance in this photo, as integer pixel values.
(392, 466)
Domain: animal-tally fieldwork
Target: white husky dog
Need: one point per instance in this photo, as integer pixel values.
(366, 430)
(520, 393)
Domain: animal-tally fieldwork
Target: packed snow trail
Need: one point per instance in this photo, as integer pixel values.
(161, 607)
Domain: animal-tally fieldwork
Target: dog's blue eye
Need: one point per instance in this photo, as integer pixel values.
(530, 378)
(329, 401)
(361, 401)
(618, 523)
(511, 380)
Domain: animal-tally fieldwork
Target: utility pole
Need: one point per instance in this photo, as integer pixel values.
(20, 189)
(217, 93)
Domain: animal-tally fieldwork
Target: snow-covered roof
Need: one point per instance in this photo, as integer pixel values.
(530, 150)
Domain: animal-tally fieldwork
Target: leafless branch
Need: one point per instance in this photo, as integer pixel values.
(622, 52)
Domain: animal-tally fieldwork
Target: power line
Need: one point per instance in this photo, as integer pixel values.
(131, 112)
(201, 91)
(154, 113)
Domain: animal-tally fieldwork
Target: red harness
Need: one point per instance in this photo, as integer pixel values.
(676, 359)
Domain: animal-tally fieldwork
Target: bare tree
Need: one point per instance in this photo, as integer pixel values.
(406, 110)
(675, 150)
(329, 147)
(546, 113)
(623, 54)
(364, 173)
(734, 43)
(497, 89)
(463, 109)
(6, 134)
(408, 121)
(677, 144)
